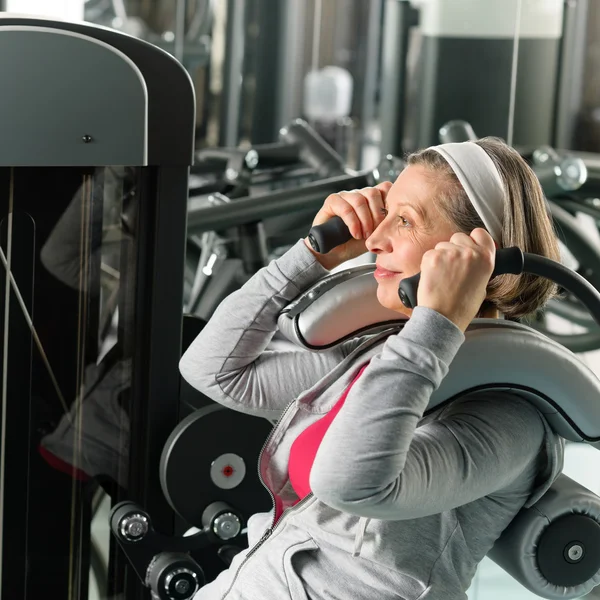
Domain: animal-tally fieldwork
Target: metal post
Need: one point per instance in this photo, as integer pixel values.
(180, 13)
(266, 48)
(371, 65)
(399, 17)
(572, 61)
(232, 74)
(291, 70)
(279, 68)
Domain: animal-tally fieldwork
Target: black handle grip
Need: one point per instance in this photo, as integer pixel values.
(330, 234)
(335, 232)
(508, 260)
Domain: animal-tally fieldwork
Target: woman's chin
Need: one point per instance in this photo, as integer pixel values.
(388, 298)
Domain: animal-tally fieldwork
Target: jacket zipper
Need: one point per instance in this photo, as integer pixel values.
(267, 534)
(273, 525)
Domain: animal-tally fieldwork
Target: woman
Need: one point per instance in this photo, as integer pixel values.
(381, 502)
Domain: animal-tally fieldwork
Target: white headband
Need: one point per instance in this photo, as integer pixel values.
(481, 181)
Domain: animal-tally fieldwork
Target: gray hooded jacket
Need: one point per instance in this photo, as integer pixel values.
(403, 506)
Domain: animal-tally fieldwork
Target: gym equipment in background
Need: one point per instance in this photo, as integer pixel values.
(301, 167)
(460, 53)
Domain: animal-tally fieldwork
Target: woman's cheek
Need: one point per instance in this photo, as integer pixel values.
(387, 294)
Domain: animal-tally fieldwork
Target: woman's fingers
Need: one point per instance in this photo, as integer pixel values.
(361, 210)
(339, 206)
(360, 204)
(483, 239)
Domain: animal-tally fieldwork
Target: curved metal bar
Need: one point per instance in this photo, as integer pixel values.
(251, 209)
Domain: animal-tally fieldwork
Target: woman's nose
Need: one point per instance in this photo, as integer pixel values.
(379, 241)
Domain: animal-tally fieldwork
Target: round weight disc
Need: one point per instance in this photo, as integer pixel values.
(212, 456)
(228, 471)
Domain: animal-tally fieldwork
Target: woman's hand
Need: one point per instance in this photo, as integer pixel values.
(362, 211)
(455, 275)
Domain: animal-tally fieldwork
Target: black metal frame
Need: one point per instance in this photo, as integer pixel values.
(159, 252)
(157, 349)
(19, 361)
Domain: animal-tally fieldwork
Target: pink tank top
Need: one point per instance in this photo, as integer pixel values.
(305, 446)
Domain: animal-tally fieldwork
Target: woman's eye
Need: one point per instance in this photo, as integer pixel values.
(384, 212)
(404, 222)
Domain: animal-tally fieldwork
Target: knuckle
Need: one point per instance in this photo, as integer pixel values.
(333, 200)
(372, 193)
(432, 257)
(346, 211)
(468, 255)
(360, 202)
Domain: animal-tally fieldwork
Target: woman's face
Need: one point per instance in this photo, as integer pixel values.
(413, 225)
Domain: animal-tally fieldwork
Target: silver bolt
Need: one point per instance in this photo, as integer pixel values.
(87, 139)
(540, 156)
(134, 527)
(573, 174)
(231, 173)
(182, 586)
(226, 526)
(575, 552)
(251, 159)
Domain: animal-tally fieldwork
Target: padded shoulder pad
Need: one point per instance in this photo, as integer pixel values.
(338, 307)
(496, 354)
(502, 355)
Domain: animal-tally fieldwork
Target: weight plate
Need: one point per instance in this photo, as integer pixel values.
(212, 456)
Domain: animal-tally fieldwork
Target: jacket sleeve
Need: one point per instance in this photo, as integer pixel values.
(376, 462)
(230, 360)
(62, 251)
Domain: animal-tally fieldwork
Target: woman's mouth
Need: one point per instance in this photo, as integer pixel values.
(381, 273)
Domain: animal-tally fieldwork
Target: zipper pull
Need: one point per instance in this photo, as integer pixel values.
(260, 542)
